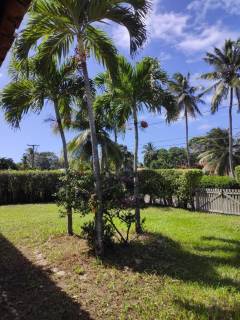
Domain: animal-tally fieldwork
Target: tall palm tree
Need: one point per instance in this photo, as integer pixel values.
(226, 65)
(187, 102)
(60, 24)
(137, 87)
(31, 87)
(213, 151)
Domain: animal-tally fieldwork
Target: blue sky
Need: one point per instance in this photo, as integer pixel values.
(180, 32)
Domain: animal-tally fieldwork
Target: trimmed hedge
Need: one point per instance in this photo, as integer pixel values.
(170, 185)
(28, 186)
(219, 182)
(237, 173)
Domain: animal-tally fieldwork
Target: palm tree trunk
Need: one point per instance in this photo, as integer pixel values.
(96, 165)
(231, 135)
(66, 164)
(187, 138)
(138, 226)
(115, 135)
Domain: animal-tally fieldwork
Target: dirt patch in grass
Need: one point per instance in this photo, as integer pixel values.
(187, 267)
(153, 278)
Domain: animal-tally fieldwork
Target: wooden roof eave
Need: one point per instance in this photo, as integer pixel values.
(11, 15)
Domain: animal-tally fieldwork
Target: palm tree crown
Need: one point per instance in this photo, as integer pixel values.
(213, 151)
(226, 65)
(187, 101)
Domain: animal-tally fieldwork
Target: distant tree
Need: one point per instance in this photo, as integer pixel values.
(7, 163)
(47, 161)
(178, 157)
(187, 101)
(150, 154)
(172, 158)
(213, 151)
(42, 160)
(163, 161)
(226, 65)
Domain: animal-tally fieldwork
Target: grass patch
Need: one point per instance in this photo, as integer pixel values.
(186, 266)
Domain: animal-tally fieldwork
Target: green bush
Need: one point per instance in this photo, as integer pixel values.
(221, 182)
(170, 184)
(28, 186)
(237, 173)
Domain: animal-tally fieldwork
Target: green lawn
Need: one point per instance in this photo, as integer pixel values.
(186, 266)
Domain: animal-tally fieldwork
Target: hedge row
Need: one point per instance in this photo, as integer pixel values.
(28, 186)
(219, 182)
(170, 185)
(237, 173)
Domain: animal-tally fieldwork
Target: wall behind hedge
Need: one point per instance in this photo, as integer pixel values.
(28, 186)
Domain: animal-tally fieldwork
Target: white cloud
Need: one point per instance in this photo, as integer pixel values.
(201, 7)
(205, 38)
(1, 75)
(164, 56)
(177, 30)
(167, 26)
(121, 37)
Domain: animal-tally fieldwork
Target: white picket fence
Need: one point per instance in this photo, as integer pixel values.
(225, 201)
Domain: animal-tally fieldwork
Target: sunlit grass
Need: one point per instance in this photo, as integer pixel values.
(185, 267)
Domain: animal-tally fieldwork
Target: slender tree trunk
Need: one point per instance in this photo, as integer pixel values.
(231, 136)
(96, 165)
(138, 226)
(66, 163)
(117, 169)
(115, 135)
(187, 138)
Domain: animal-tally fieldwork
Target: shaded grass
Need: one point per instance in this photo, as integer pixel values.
(185, 267)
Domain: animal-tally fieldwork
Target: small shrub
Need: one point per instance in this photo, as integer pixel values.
(88, 233)
(77, 191)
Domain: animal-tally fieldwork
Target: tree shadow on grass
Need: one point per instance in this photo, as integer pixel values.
(225, 245)
(27, 292)
(210, 312)
(160, 255)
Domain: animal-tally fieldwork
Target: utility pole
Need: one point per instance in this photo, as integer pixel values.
(33, 148)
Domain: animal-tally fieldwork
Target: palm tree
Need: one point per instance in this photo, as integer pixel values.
(32, 87)
(138, 87)
(213, 151)
(60, 24)
(106, 104)
(150, 154)
(80, 147)
(226, 64)
(187, 102)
